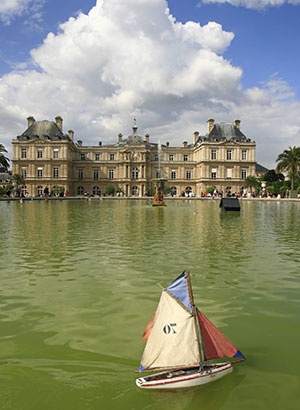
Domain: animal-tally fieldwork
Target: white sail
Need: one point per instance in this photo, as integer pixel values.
(172, 341)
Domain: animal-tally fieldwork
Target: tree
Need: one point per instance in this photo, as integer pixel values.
(58, 190)
(18, 180)
(289, 160)
(251, 182)
(4, 162)
(272, 176)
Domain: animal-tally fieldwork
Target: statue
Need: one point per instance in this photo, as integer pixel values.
(159, 194)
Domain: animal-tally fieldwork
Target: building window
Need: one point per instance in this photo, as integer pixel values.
(96, 190)
(39, 153)
(24, 172)
(55, 172)
(244, 155)
(80, 190)
(24, 191)
(97, 157)
(82, 156)
(213, 173)
(80, 173)
(40, 172)
(23, 153)
(188, 174)
(111, 174)
(213, 154)
(156, 157)
(185, 157)
(112, 157)
(171, 157)
(96, 174)
(40, 190)
(134, 173)
(134, 191)
(229, 173)
(157, 173)
(55, 153)
(173, 174)
(228, 154)
(244, 173)
(173, 191)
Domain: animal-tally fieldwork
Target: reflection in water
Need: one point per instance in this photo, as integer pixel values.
(78, 285)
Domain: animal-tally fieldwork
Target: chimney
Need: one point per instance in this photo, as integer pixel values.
(79, 143)
(71, 134)
(59, 121)
(30, 121)
(147, 137)
(120, 138)
(184, 144)
(210, 125)
(196, 135)
(167, 144)
(237, 123)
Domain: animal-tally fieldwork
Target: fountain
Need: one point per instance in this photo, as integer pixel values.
(159, 183)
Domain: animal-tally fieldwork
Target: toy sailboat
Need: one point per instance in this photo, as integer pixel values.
(181, 341)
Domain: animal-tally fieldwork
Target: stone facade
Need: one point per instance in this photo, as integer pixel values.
(46, 157)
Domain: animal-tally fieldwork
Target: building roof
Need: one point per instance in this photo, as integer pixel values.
(43, 130)
(224, 132)
(259, 169)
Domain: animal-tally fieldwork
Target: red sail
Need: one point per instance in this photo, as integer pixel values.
(215, 343)
(149, 327)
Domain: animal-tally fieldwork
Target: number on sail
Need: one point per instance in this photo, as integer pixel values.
(169, 328)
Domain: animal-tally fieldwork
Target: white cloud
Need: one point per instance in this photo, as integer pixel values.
(253, 4)
(134, 59)
(10, 9)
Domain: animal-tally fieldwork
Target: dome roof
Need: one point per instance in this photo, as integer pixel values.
(135, 138)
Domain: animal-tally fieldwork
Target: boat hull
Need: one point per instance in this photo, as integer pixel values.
(184, 378)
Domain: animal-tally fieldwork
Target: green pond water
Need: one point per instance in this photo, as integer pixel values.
(78, 286)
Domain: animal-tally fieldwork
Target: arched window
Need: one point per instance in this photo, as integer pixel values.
(134, 191)
(135, 173)
(188, 189)
(173, 191)
(96, 190)
(80, 190)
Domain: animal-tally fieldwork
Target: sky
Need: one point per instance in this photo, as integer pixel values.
(171, 64)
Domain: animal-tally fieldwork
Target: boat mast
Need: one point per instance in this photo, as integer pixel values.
(187, 275)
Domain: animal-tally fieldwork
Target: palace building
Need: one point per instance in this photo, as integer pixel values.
(47, 157)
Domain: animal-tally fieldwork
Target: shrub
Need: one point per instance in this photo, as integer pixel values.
(2, 191)
(109, 190)
(167, 189)
(210, 189)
